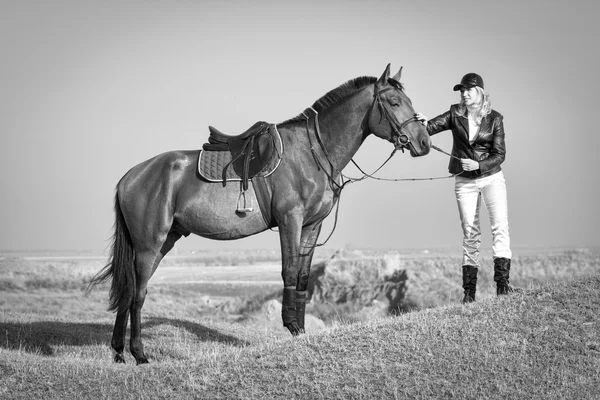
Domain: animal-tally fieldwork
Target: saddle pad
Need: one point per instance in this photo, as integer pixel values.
(211, 163)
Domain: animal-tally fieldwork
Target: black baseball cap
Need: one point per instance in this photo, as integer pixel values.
(468, 81)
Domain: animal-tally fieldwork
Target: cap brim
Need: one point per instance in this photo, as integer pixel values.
(462, 86)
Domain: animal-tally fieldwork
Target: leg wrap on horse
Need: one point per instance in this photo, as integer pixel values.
(502, 275)
(300, 308)
(469, 283)
(288, 308)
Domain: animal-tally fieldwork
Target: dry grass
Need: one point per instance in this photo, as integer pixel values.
(542, 343)
(356, 285)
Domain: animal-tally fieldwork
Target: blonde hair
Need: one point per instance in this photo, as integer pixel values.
(480, 110)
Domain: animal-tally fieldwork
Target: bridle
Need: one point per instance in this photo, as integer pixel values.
(400, 139)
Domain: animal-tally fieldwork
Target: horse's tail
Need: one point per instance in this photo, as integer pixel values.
(120, 266)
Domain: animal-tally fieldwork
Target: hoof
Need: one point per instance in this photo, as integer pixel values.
(504, 290)
(119, 359)
(467, 299)
(141, 360)
(294, 329)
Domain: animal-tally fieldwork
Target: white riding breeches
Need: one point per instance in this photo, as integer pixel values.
(469, 192)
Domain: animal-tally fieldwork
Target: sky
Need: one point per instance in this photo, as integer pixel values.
(88, 89)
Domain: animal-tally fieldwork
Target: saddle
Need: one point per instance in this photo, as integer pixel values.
(219, 141)
(254, 153)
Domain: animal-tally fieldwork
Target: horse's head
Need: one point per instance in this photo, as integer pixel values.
(392, 116)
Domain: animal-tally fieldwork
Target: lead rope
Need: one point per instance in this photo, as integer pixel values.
(371, 175)
(442, 151)
(338, 191)
(365, 175)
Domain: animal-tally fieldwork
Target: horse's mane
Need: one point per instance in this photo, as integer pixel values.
(336, 94)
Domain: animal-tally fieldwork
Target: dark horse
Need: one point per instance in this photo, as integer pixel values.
(162, 199)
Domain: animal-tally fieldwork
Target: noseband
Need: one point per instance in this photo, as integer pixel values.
(400, 139)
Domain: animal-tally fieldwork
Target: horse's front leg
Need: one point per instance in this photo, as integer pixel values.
(290, 228)
(308, 241)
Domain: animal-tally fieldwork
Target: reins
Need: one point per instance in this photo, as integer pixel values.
(332, 180)
(371, 175)
(442, 151)
(336, 187)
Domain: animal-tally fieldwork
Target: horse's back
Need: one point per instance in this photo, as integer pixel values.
(155, 170)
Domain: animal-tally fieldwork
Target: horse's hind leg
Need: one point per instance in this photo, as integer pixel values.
(118, 338)
(145, 265)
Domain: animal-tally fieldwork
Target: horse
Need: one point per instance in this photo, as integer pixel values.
(162, 199)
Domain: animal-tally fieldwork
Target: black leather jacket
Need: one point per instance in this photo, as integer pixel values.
(488, 148)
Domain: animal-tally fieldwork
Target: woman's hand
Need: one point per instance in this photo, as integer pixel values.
(422, 118)
(469, 165)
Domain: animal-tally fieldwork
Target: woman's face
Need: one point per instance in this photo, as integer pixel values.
(470, 96)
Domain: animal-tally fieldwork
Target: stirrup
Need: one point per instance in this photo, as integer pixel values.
(244, 206)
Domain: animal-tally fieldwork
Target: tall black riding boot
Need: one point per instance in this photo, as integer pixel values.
(501, 275)
(469, 283)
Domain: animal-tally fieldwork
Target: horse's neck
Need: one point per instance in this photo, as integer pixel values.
(343, 127)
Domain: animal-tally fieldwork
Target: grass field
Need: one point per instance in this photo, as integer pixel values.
(541, 343)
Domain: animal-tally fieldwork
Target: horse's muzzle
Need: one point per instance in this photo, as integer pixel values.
(423, 149)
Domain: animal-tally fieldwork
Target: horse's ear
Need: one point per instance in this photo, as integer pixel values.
(385, 76)
(397, 76)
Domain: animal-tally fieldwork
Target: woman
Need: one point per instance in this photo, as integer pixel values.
(477, 152)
